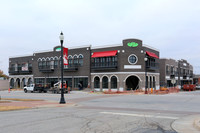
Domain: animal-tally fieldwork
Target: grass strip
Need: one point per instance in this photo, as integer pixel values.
(5, 101)
(18, 99)
(10, 108)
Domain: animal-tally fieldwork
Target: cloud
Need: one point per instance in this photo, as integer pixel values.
(171, 26)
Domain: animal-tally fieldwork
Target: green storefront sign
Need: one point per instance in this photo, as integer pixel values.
(58, 49)
(132, 44)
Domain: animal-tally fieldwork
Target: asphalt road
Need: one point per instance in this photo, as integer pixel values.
(99, 113)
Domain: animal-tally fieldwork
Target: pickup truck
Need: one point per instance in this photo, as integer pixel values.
(33, 88)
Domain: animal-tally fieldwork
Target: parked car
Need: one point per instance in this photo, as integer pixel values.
(198, 87)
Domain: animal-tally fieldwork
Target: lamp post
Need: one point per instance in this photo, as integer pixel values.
(62, 99)
(146, 59)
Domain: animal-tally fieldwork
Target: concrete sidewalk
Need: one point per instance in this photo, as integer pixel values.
(188, 124)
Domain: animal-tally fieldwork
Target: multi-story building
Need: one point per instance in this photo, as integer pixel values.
(116, 67)
(180, 71)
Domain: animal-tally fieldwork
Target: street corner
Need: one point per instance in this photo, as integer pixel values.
(187, 124)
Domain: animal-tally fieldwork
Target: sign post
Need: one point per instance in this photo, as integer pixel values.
(173, 81)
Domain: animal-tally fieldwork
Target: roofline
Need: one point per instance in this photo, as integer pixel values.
(106, 46)
(132, 39)
(144, 45)
(78, 47)
(17, 56)
(42, 51)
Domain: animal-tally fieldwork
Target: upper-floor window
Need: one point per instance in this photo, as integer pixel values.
(75, 60)
(70, 60)
(167, 69)
(132, 59)
(172, 69)
(56, 62)
(43, 62)
(24, 66)
(80, 58)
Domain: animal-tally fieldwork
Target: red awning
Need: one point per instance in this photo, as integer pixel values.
(104, 54)
(152, 54)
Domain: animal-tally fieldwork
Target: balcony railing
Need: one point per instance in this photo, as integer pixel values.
(71, 67)
(152, 65)
(104, 65)
(49, 68)
(20, 70)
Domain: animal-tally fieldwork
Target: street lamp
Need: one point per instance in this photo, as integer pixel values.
(146, 59)
(62, 99)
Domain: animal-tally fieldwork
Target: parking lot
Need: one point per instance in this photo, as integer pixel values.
(94, 112)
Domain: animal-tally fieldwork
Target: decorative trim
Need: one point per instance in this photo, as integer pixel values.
(132, 66)
(125, 73)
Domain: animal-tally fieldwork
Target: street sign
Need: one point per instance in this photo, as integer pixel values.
(173, 81)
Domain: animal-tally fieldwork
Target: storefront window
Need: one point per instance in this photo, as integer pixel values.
(96, 82)
(105, 82)
(82, 81)
(113, 82)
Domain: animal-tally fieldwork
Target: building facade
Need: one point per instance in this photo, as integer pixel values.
(115, 67)
(179, 70)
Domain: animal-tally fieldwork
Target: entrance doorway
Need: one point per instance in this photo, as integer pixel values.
(132, 83)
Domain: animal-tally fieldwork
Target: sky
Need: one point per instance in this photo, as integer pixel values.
(172, 26)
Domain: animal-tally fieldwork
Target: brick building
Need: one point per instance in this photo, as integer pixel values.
(180, 70)
(116, 67)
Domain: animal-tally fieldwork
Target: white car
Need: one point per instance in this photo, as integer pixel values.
(198, 87)
(29, 88)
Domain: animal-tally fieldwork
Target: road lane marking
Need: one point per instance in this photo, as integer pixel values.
(140, 115)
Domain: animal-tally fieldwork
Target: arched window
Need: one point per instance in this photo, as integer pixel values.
(39, 63)
(70, 60)
(150, 82)
(18, 83)
(43, 63)
(29, 81)
(48, 63)
(56, 62)
(23, 82)
(75, 60)
(105, 82)
(113, 82)
(154, 83)
(96, 82)
(80, 58)
(51, 63)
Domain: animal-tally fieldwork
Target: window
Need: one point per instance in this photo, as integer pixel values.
(96, 82)
(56, 63)
(113, 82)
(80, 60)
(132, 59)
(105, 82)
(70, 61)
(75, 60)
(167, 69)
(43, 63)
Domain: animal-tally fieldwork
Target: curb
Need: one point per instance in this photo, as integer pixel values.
(197, 124)
(187, 124)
